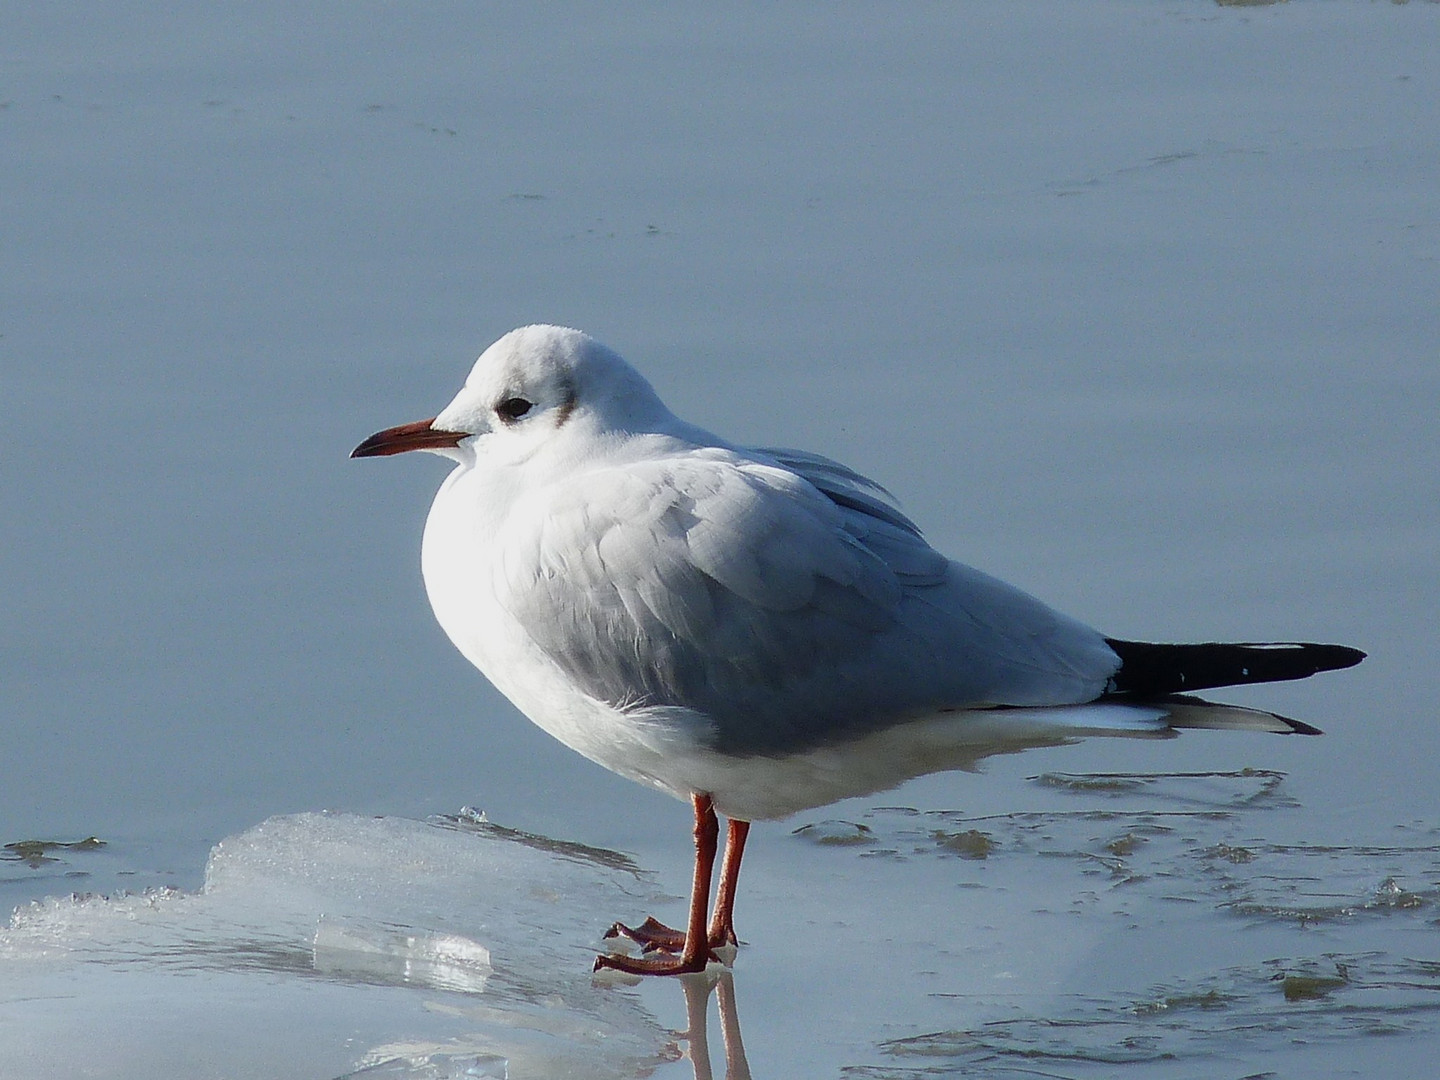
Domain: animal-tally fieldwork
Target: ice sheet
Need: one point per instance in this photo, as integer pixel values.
(456, 947)
(1131, 304)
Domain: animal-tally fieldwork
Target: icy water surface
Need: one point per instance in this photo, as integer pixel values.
(1137, 919)
(459, 941)
(1232, 947)
(1133, 304)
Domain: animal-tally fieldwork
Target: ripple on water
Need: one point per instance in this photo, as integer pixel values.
(1192, 836)
(1268, 1006)
(1196, 838)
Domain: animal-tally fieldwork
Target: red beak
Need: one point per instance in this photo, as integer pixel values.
(417, 436)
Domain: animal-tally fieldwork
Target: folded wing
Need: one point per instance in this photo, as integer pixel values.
(781, 597)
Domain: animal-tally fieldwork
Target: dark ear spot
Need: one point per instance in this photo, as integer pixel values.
(567, 404)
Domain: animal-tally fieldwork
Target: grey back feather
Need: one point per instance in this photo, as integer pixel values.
(781, 596)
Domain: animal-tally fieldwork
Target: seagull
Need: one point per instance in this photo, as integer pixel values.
(756, 631)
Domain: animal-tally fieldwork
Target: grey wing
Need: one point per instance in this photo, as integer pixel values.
(843, 485)
(1009, 647)
(787, 618)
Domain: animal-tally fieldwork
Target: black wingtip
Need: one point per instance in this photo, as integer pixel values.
(1149, 670)
(1344, 656)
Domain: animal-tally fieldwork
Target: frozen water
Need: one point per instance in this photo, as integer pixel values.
(381, 947)
(1166, 271)
(305, 921)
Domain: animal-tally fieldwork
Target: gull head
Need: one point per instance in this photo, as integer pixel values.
(528, 390)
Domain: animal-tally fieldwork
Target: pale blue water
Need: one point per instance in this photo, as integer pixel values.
(1132, 304)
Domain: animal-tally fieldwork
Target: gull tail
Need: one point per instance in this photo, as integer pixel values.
(1184, 711)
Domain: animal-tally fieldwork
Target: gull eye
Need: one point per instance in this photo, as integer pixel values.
(512, 409)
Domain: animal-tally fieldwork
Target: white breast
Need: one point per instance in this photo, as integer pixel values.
(464, 544)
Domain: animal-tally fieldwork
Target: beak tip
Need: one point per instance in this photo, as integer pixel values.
(368, 447)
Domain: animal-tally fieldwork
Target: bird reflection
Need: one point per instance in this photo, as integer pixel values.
(698, 989)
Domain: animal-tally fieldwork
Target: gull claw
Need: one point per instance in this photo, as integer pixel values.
(652, 935)
(668, 964)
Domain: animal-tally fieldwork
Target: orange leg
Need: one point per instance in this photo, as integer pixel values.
(655, 936)
(722, 923)
(695, 952)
